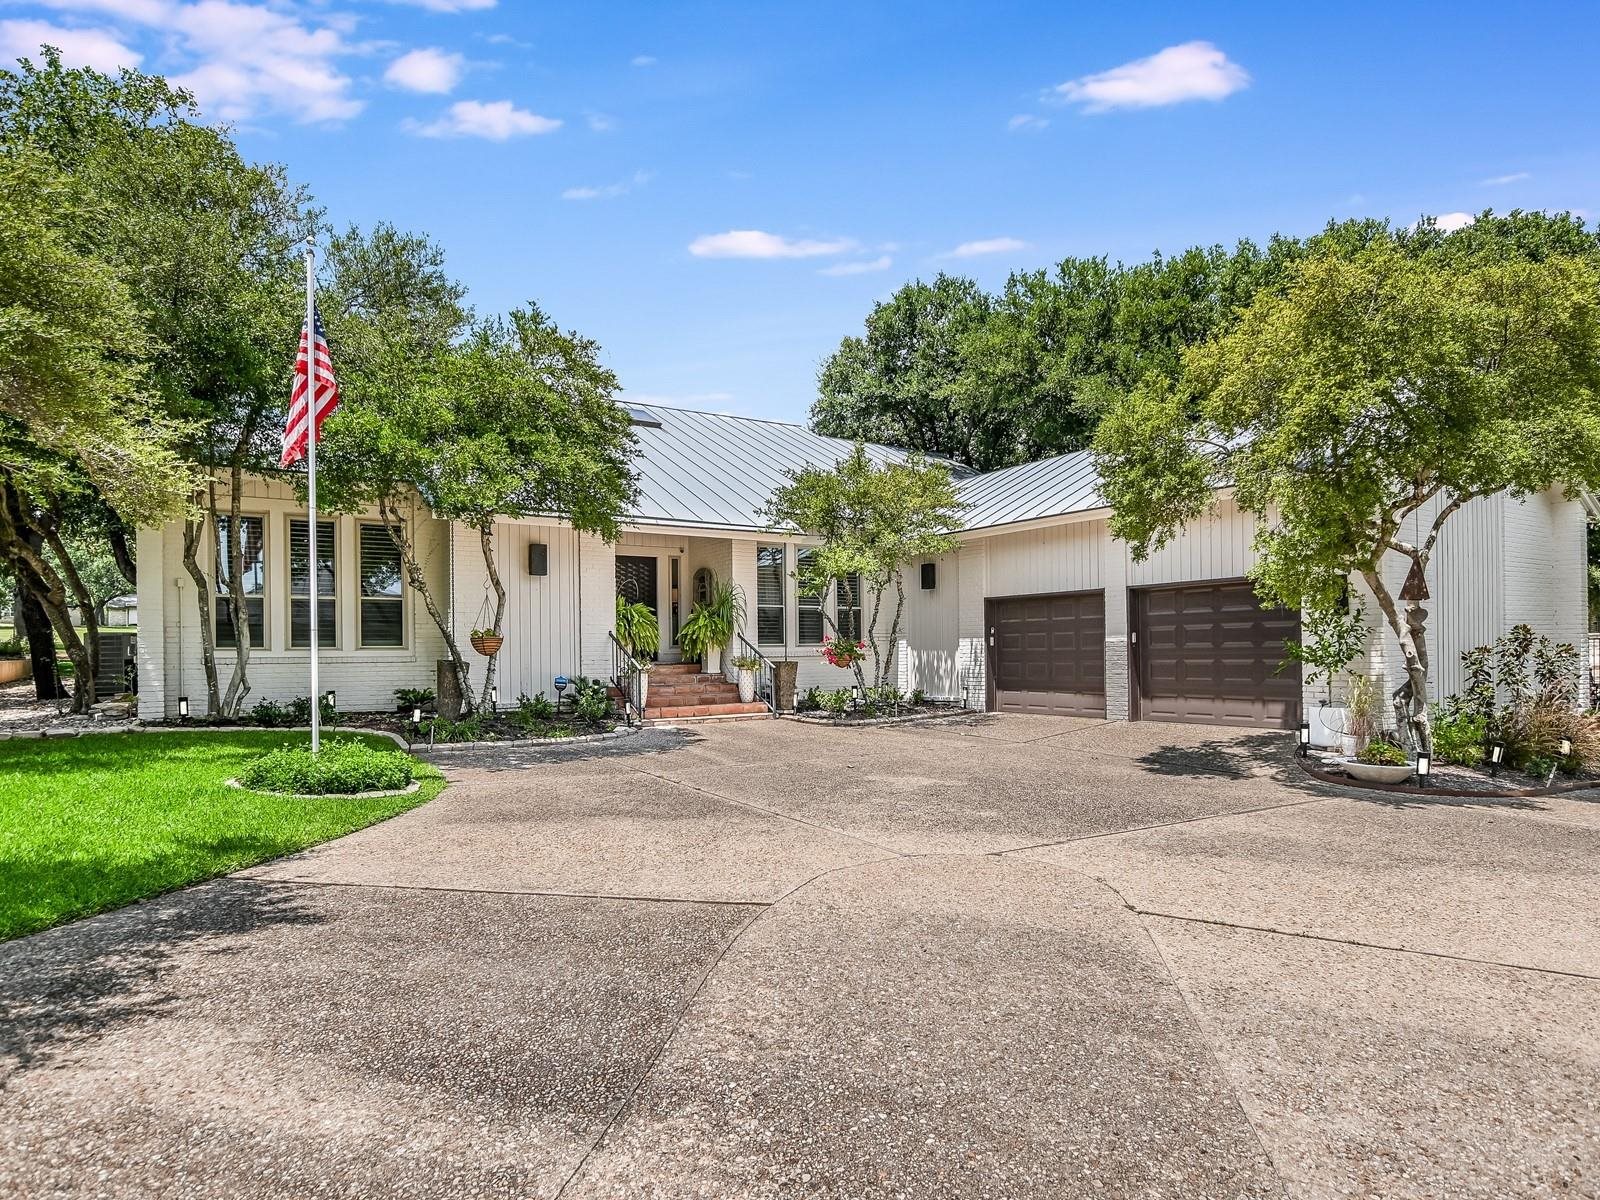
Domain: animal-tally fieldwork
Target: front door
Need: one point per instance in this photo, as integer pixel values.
(636, 580)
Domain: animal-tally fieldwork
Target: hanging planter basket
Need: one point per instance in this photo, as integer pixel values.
(487, 644)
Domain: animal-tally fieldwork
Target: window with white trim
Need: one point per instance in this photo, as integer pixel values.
(300, 586)
(253, 561)
(848, 590)
(381, 619)
(769, 595)
(810, 628)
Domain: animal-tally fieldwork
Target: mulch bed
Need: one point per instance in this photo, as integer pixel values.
(891, 716)
(1447, 779)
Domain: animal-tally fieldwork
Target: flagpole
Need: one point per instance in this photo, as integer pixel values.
(315, 542)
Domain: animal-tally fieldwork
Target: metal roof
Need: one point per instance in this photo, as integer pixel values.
(717, 470)
(701, 468)
(1052, 487)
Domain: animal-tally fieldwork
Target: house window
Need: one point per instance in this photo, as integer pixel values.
(810, 628)
(849, 590)
(769, 595)
(252, 543)
(300, 587)
(382, 616)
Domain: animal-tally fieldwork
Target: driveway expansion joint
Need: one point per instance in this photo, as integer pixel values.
(265, 880)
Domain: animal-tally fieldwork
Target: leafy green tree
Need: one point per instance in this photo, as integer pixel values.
(517, 420)
(1375, 392)
(873, 520)
(205, 246)
(906, 381)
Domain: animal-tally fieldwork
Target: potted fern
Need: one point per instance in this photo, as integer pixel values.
(712, 624)
(640, 635)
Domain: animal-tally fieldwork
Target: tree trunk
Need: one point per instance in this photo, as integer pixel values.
(192, 531)
(117, 536)
(1410, 630)
(417, 580)
(33, 569)
(894, 630)
(486, 544)
(34, 624)
(85, 602)
(239, 682)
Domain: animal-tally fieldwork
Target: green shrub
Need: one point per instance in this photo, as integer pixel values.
(589, 700)
(412, 697)
(836, 703)
(344, 767)
(13, 647)
(1459, 733)
(537, 709)
(919, 697)
(810, 701)
(442, 729)
(296, 713)
(1383, 754)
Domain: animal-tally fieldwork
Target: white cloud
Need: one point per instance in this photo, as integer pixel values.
(1026, 121)
(496, 120)
(608, 191)
(448, 6)
(1451, 221)
(642, 60)
(1501, 180)
(430, 71)
(98, 49)
(244, 58)
(600, 122)
(882, 263)
(753, 243)
(1192, 71)
(999, 245)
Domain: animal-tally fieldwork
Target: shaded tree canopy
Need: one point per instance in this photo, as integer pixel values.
(993, 380)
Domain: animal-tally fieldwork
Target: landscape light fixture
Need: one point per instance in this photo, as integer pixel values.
(561, 686)
(333, 700)
(1566, 747)
(416, 714)
(1424, 768)
(1303, 738)
(183, 708)
(1497, 754)
(494, 698)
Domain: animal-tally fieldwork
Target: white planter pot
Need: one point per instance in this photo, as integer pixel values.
(747, 686)
(1378, 772)
(711, 660)
(1348, 747)
(1329, 726)
(641, 689)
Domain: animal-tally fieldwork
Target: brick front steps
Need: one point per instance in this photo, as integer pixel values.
(679, 692)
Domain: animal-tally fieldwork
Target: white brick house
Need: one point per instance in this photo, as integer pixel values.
(1039, 609)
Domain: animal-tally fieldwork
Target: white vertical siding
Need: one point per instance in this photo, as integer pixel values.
(1059, 558)
(928, 655)
(1216, 546)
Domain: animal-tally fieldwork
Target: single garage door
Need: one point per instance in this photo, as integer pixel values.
(1209, 654)
(1049, 654)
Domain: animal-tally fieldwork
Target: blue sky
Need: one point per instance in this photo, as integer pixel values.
(718, 192)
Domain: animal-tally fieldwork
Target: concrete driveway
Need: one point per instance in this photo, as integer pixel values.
(985, 957)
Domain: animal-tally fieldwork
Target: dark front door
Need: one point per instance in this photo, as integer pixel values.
(636, 580)
(1209, 654)
(1049, 654)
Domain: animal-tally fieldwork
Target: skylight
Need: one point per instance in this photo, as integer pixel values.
(643, 416)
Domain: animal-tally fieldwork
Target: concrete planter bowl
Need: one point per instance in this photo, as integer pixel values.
(1377, 772)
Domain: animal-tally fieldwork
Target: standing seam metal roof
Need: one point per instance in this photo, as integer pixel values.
(717, 470)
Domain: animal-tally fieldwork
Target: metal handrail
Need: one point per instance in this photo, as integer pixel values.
(625, 669)
(766, 680)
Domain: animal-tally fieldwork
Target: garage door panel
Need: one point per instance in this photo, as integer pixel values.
(1049, 654)
(1208, 653)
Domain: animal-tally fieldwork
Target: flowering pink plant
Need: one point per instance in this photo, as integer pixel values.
(842, 652)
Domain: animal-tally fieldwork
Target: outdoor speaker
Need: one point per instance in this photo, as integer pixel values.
(538, 558)
(929, 576)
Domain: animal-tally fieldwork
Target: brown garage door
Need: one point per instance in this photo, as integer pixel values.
(1049, 654)
(1209, 653)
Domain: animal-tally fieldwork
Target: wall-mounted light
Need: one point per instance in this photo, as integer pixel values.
(1424, 768)
(930, 576)
(538, 558)
(183, 708)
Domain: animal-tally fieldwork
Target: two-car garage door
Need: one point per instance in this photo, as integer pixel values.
(1205, 653)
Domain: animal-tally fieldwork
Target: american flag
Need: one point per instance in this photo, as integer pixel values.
(297, 429)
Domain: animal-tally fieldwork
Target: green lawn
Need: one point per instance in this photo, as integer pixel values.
(91, 823)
